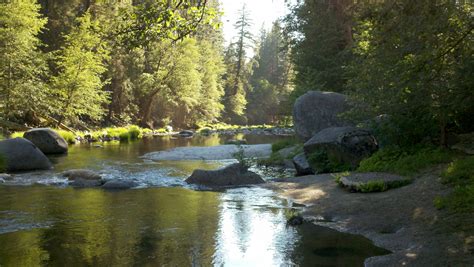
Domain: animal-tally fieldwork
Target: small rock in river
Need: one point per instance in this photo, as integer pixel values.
(295, 220)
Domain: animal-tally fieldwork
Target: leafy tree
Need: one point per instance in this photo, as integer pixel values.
(22, 90)
(414, 63)
(77, 88)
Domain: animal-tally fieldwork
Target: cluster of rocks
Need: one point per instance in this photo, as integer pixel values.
(29, 153)
(318, 122)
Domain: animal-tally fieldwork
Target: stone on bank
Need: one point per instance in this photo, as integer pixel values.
(47, 140)
(22, 155)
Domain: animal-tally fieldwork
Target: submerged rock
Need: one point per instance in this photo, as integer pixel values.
(236, 142)
(83, 178)
(119, 184)
(232, 175)
(47, 140)
(301, 165)
(5, 176)
(315, 111)
(22, 155)
(186, 133)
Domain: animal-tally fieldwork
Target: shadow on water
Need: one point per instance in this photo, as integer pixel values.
(172, 226)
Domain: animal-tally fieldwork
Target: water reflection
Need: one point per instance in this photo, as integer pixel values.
(163, 227)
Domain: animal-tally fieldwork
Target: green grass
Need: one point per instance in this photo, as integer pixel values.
(134, 132)
(407, 161)
(68, 136)
(460, 174)
(284, 144)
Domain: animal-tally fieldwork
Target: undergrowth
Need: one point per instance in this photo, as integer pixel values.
(322, 162)
(405, 161)
(460, 175)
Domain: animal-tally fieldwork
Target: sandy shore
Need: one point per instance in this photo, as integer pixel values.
(402, 220)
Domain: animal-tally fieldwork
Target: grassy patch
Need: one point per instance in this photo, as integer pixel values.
(322, 162)
(68, 136)
(284, 144)
(460, 174)
(17, 134)
(407, 161)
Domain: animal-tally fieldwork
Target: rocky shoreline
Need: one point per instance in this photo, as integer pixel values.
(402, 220)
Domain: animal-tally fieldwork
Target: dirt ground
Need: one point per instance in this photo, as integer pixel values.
(402, 220)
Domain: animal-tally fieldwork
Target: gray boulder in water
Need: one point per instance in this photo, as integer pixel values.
(22, 155)
(83, 178)
(47, 140)
(119, 184)
(315, 111)
(347, 145)
(232, 175)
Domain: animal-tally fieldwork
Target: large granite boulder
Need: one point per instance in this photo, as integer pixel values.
(232, 175)
(47, 140)
(315, 111)
(83, 178)
(342, 145)
(301, 165)
(22, 155)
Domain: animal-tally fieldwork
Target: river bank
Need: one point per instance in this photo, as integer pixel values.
(402, 220)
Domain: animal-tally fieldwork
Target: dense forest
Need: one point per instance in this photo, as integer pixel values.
(151, 63)
(156, 63)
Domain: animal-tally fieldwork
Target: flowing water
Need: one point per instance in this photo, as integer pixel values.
(163, 222)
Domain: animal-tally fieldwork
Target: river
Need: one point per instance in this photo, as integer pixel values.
(163, 222)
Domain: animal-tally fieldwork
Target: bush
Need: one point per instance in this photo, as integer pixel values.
(321, 162)
(284, 144)
(134, 132)
(405, 161)
(68, 136)
(17, 134)
(124, 137)
(459, 174)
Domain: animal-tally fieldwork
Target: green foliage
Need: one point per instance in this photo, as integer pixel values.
(22, 67)
(284, 144)
(17, 134)
(459, 174)
(405, 161)
(241, 158)
(78, 86)
(67, 135)
(134, 132)
(322, 162)
(460, 200)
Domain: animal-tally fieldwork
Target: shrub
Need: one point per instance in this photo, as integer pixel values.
(204, 130)
(124, 137)
(321, 162)
(459, 174)
(68, 136)
(284, 144)
(17, 134)
(404, 161)
(134, 132)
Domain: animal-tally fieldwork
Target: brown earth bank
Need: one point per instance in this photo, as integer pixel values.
(403, 220)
